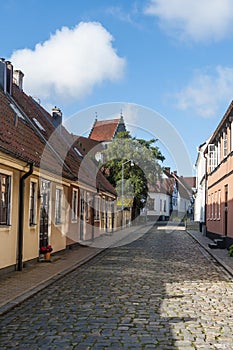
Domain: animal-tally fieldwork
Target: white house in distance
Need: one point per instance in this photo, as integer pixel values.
(170, 197)
(199, 207)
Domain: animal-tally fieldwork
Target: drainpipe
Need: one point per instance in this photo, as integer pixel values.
(206, 196)
(21, 217)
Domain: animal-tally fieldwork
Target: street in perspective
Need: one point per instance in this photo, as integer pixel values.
(161, 291)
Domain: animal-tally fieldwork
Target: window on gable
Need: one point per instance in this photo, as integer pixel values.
(32, 204)
(58, 206)
(5, 181)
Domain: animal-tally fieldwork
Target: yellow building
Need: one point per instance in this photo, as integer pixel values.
(50, 195)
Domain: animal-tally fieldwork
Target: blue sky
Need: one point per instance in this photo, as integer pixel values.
(173, 57)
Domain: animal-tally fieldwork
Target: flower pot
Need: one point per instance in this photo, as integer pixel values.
(47, 256)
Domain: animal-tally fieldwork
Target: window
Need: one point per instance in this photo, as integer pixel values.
(74, 205)
(219, 205)
(212, 154)
(97, 209)
(225, 144)
(212, 206)
(5, 199)
(77, 152)
(218, 153)
(165, 206)
(32, 204)
(58, 206)
(208, 208)
(151, 204)
(161, 205)
(38, 124)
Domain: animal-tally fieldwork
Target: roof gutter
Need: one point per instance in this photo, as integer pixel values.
(19, 266)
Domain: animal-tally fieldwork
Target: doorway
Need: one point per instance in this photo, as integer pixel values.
(44, 212)
(226, 210)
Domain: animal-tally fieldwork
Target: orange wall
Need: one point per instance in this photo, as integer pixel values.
(216, 194)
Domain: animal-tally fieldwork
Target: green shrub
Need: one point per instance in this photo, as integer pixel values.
(230, 250)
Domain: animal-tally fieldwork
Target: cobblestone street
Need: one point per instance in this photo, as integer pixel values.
(160, 292)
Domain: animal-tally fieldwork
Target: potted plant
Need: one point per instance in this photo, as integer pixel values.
(46, 250)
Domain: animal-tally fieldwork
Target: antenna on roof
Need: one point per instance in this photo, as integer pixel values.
(96, 116)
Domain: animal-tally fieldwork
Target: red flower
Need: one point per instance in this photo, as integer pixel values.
(47, 249)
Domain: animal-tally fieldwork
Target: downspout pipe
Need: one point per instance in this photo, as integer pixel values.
(19, 266)
(206, 192)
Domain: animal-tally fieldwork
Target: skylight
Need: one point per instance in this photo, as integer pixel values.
(77, 151)
(38, 124)
(17, 112)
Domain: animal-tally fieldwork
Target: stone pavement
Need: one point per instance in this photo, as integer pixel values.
(17, 286)
(220, 255)
(163, 291)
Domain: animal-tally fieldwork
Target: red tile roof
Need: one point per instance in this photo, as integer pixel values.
(166, 185)
(104, 130)
(32, 137)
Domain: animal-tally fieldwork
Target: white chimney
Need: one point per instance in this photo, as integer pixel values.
(18, 78)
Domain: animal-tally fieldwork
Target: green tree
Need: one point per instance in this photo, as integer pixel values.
(138, 161)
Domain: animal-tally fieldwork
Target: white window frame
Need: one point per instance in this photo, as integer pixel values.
(231, 134)
(9, 202)
(58, 214)
(74, 205)
(225, 144)
(97, 209)
(218, 153)
(33, 217)
(212, 156)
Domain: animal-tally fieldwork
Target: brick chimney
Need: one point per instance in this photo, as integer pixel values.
(18, 78)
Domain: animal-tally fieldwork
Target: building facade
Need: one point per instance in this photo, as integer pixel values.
(219, 178)
(50, 193)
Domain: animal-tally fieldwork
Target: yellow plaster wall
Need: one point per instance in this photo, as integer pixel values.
(9, 234)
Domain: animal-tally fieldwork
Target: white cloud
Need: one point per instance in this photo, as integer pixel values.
(205, 93)
(198, 20)
(70, 63)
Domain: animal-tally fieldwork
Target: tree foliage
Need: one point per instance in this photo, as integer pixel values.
(138, 161)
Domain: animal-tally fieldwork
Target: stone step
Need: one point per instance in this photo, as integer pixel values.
(213, 245)
(220, 243)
